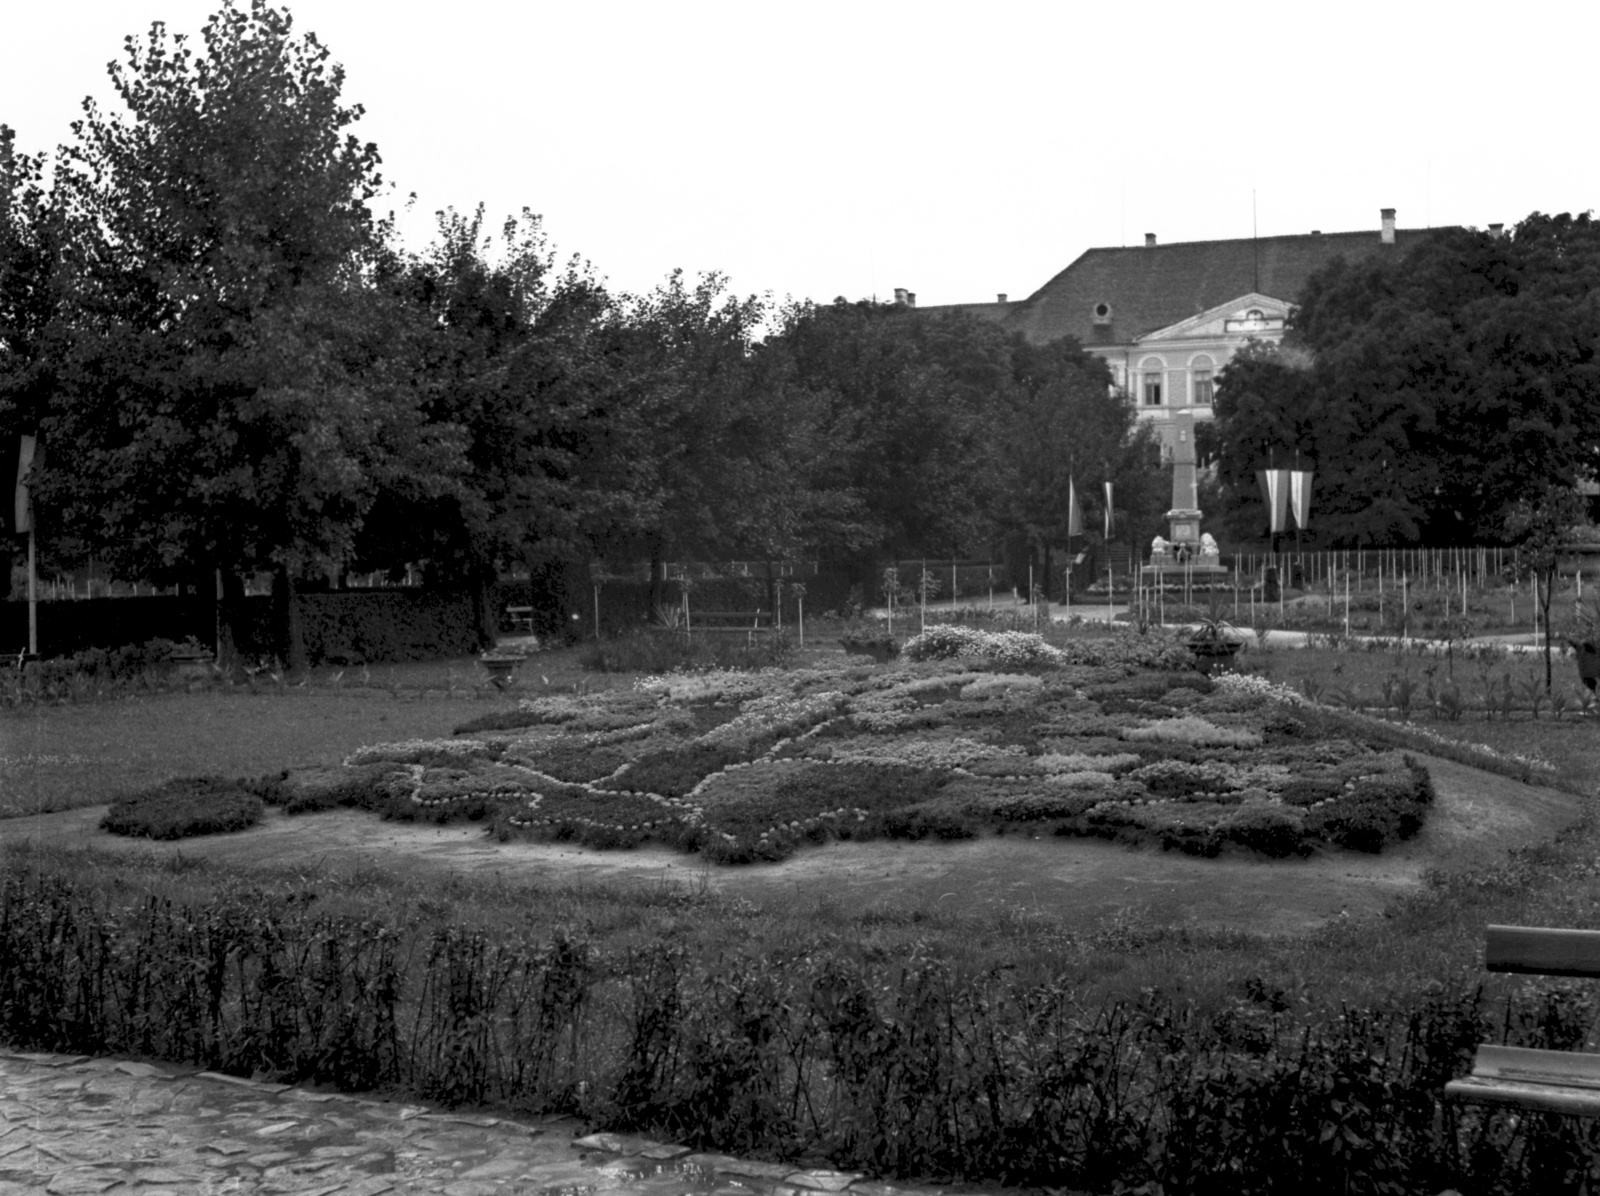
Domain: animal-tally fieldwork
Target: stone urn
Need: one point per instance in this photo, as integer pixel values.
(500, 666)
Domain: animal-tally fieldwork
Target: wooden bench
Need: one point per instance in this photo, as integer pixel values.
(1551, 1081)
(749, 622)
(520, 618)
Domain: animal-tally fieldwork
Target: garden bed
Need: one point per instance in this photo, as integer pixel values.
(992, 735)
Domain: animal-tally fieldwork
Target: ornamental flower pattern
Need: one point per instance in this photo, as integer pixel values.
(752, 766)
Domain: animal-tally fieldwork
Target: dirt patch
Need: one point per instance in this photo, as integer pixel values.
(1479, 817)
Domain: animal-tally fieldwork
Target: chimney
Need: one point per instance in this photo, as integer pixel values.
(1387, 236)
(911, 298)
(1497, 231)
(1149, 240)
(1001, 297)
(899, 296)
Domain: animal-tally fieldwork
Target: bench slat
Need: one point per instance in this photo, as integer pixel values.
(1545, 1098)
(1554, 1081)
(1536, 950)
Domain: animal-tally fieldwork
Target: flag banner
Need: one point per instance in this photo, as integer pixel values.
(1074, 515)
(1300, 497)
(16, 455)
(1275, 488)
(1108, 511)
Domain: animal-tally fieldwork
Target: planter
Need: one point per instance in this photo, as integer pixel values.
(500, 668)
(882, 651)
(1208, 654)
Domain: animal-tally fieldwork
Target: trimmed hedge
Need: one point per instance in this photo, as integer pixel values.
(186, 806)
(899, 1067)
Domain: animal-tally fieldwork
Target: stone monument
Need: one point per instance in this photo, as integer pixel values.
(1183, 519)
(1186, 549)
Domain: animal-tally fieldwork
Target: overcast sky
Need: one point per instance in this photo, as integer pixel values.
(821, 149)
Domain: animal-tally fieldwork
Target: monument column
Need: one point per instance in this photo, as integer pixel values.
(1183, 519)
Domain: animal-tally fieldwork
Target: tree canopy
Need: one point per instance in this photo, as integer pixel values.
(255, 377)
(1430, 390)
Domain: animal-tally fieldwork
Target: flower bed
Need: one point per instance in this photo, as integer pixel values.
(750, 766)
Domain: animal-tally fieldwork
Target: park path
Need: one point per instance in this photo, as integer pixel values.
(70, 1124)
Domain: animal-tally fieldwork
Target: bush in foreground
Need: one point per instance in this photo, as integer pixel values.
(187, 806)
(902, 1068)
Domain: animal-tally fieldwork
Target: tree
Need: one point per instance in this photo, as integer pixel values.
(1064, 423)
(30, 246)
(904, 409)
(228, 391)
(1540, 526)
(1429, 387)
(510, 355)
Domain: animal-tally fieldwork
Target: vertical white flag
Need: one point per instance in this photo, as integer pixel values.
(24, 507)
(1074, 515)
(1275, 487)
(1300, 497)
(1108, 512)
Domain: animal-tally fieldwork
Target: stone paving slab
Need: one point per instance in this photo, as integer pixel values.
(73, 1125)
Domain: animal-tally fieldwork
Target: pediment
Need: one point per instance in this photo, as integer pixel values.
(1249, 315)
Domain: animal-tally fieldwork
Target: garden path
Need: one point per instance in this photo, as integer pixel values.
(69, 1124)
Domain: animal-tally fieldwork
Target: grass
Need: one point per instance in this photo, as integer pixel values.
(67, 756)
(61, 757)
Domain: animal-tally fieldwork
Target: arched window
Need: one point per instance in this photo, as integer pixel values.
(1153, 370)
(1202, 374)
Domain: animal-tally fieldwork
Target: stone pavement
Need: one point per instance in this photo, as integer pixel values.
(70, 1124)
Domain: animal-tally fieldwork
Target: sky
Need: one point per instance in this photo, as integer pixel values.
(826, 149)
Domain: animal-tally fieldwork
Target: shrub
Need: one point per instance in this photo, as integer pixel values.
(577, 762)
(1272, 830)
(672, 772)
(1191, 729)
(351, 626)
(183, 807)
(310, 790)
(764, 812)
(1177, 778)
(1010, 648)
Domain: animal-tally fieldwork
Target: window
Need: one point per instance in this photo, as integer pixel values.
(1200, 370)
(1153, 371)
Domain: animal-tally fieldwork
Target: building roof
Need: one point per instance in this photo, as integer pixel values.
(1153, 286)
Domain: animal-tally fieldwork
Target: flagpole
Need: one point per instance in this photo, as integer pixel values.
(33, 596)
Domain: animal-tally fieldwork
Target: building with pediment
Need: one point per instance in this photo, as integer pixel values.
(1167, 318)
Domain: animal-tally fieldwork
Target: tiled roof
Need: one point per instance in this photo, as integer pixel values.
(1151, 287)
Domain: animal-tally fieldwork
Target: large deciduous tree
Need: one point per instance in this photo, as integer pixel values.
(1440, 385)
(230, 396)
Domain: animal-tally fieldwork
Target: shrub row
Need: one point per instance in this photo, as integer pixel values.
(900, 1068)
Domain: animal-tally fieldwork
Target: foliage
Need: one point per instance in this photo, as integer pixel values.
(184, 807)
(1427, 387)
(663, 652)
(909, 1067)
(749, 766)
(227, 388)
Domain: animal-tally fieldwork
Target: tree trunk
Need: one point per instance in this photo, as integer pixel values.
(1544, 602)
(230, 618)
(658, 595)
(481, 581)
(288, 634)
